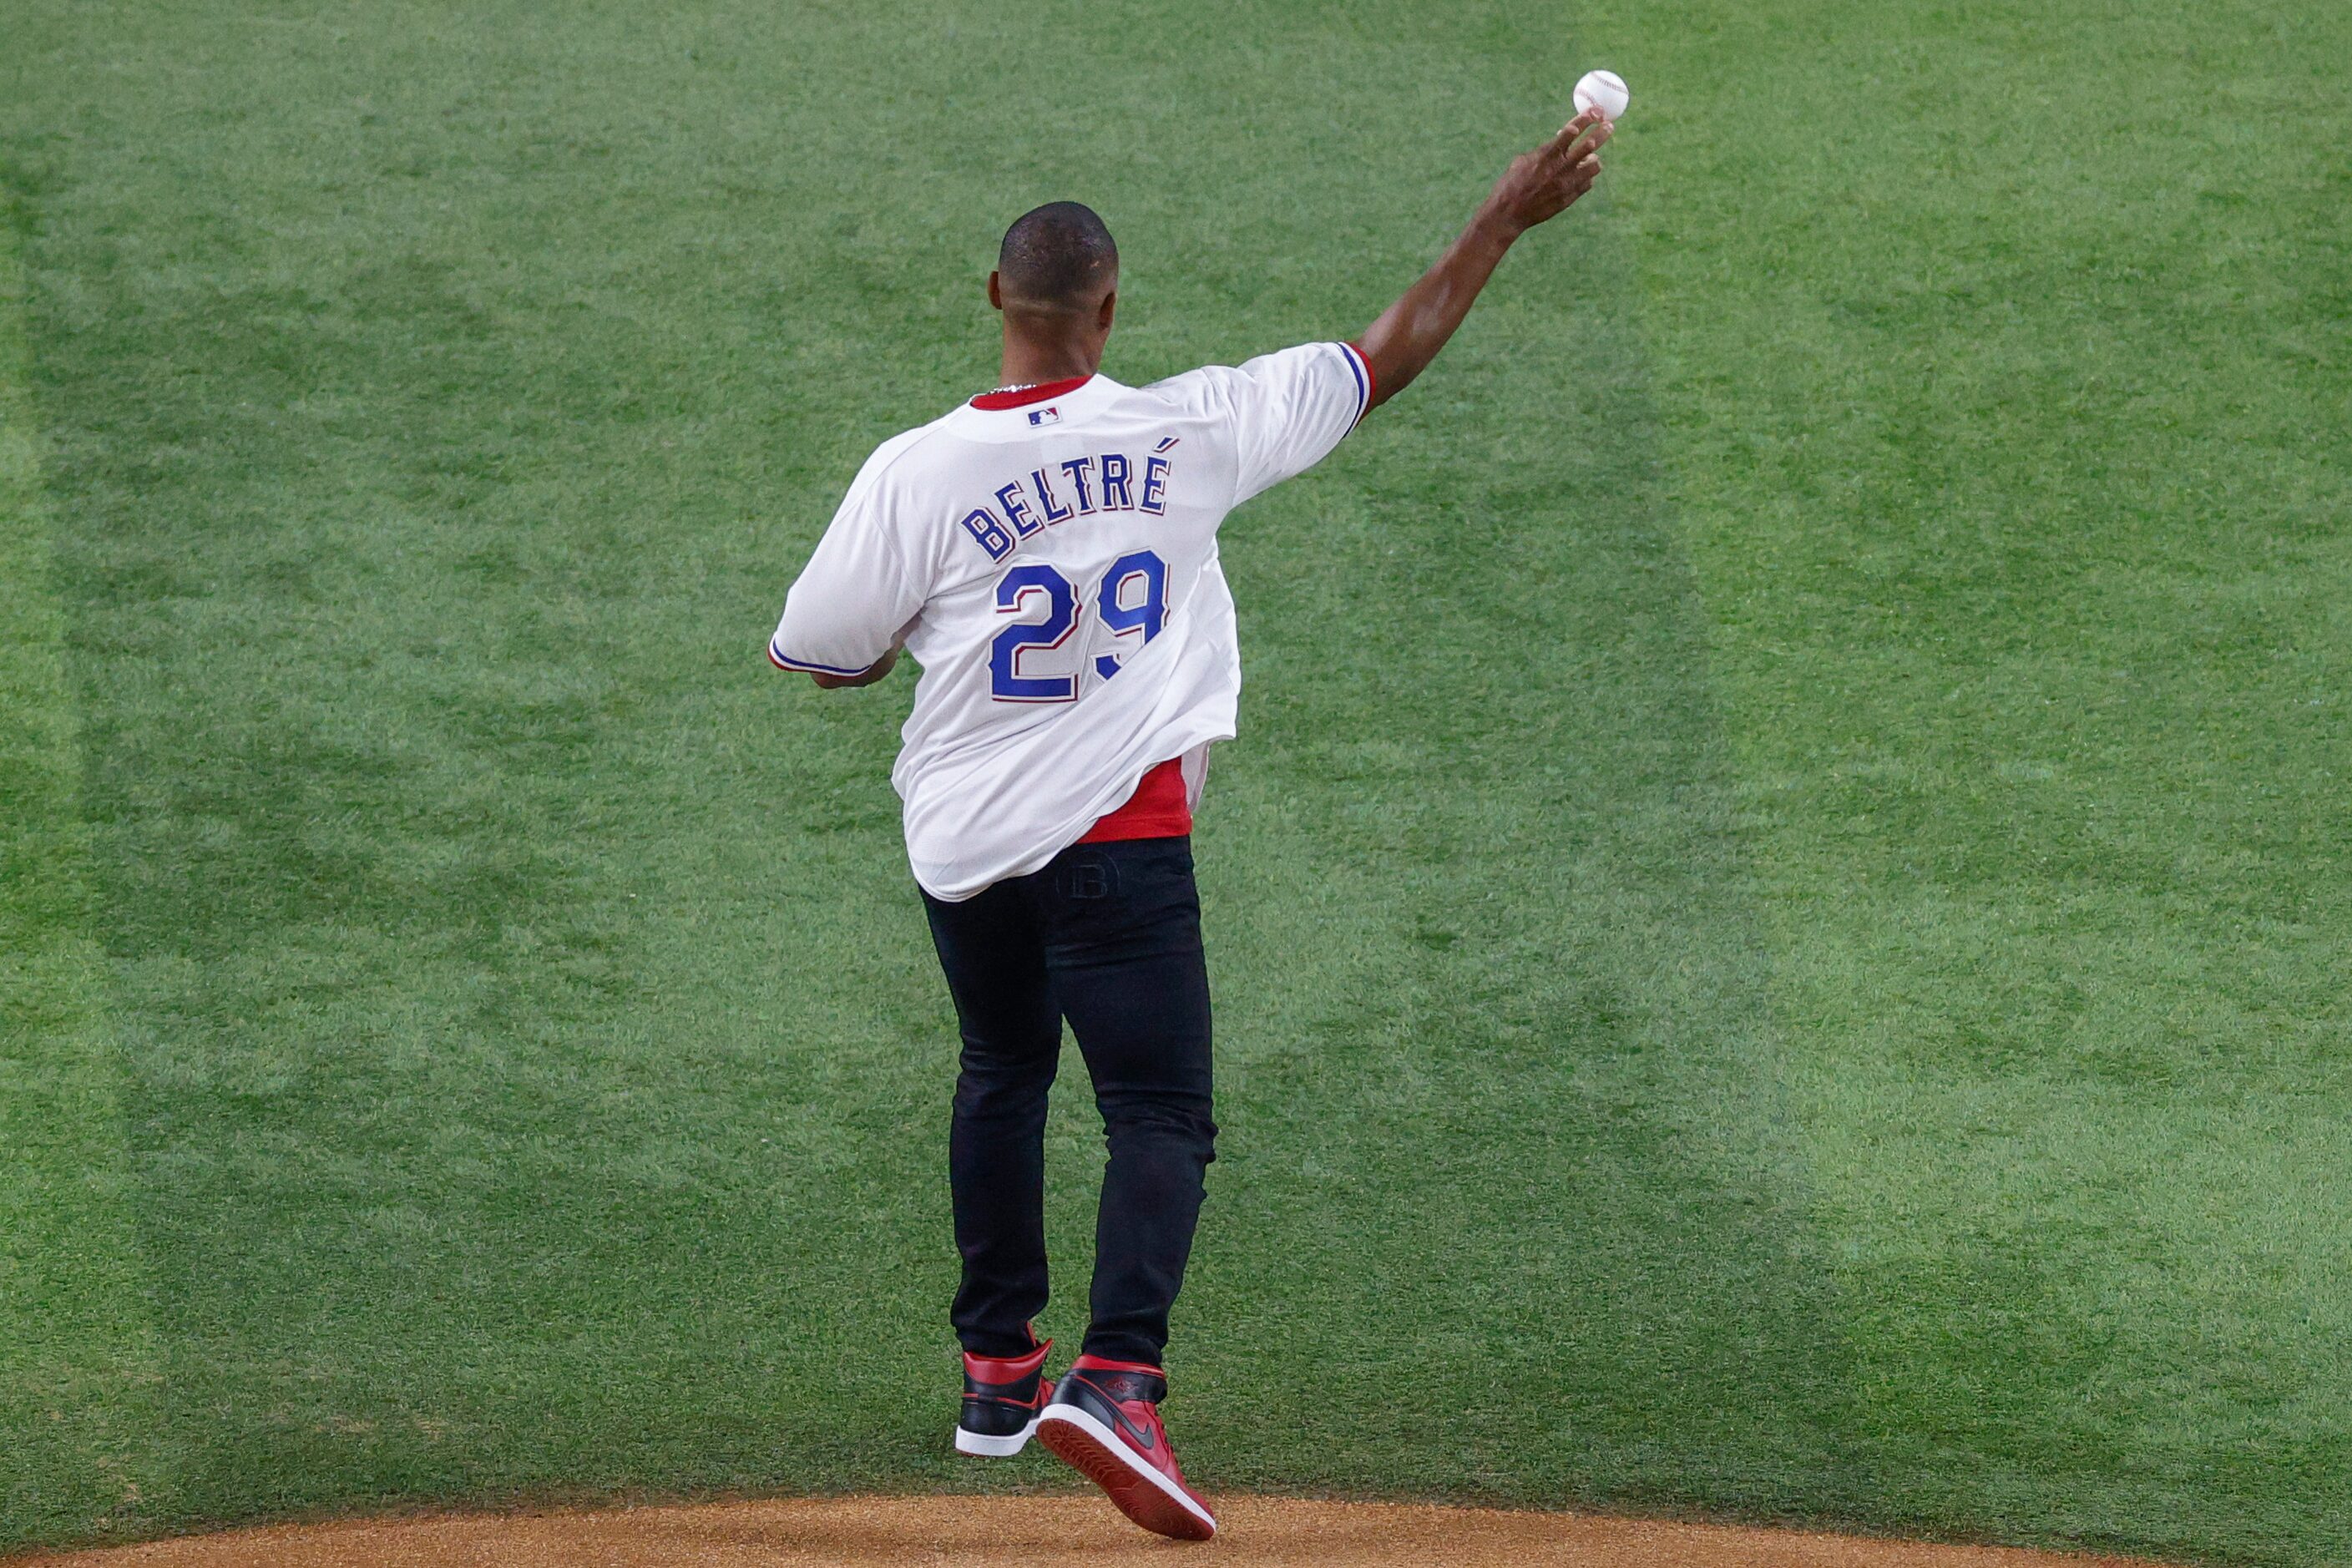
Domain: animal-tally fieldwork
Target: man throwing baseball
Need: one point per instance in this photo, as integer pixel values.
(1047, 553)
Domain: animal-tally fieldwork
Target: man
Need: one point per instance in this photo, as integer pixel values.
(1048, 553)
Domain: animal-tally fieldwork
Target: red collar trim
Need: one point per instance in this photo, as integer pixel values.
(1045, 392)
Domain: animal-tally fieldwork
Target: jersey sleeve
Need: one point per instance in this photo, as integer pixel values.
(860, 591)
(1291, 408)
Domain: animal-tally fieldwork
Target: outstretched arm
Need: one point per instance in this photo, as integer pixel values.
(1537, 187)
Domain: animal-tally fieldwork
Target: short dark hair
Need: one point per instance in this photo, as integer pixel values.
(1054, 256)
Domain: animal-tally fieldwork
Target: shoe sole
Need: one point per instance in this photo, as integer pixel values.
(1135, 1489)
(982, 1446)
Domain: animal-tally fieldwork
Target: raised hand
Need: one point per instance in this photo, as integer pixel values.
(1537, 187)
(1540, 185)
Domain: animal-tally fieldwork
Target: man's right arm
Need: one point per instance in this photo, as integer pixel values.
(866, 677)
(849, 610)
(1537, 187)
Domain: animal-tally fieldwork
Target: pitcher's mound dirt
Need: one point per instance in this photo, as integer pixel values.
(1025, 1533)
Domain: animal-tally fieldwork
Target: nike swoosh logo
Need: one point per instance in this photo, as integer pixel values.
(1139, 1436)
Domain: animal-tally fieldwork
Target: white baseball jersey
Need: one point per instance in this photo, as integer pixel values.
(1053, 567)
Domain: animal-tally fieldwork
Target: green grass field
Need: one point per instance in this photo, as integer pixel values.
(1781, 911)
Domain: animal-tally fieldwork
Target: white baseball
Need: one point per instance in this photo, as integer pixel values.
(1604, 90)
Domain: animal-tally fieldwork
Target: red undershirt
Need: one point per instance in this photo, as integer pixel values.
(1022, 397)
(1158, 808)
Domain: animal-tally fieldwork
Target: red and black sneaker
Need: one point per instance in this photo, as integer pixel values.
(1001, 1396)
(1105, 1422)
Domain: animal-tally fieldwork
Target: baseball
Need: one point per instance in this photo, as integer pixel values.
(1604, 90)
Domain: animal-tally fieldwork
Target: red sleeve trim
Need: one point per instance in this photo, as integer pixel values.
(1371, 382)
(782, 661)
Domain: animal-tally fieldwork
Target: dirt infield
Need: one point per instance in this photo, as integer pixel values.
(987, 1532)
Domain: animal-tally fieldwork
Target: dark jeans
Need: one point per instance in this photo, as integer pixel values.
(1107, 936)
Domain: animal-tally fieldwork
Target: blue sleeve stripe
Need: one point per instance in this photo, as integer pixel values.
(1363, 379)
(782, 661)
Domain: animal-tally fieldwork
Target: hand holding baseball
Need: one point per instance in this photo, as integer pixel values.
(1540, 185)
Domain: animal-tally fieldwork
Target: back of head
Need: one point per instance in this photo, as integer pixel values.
(1059, 257)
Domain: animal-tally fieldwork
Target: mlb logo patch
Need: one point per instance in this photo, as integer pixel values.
(1047, 416)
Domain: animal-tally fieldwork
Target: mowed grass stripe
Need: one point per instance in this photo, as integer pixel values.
(2003, 356)
(1519, 1093)
(77, 1359)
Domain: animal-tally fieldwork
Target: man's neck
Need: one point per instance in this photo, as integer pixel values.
(1027, 363)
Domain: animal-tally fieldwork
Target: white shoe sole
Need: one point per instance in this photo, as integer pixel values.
(1095, 1452)
(981, 1446)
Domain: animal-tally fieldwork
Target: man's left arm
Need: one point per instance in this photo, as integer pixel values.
(1292, 407)
(1537, 187)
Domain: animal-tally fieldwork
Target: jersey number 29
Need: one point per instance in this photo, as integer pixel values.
(1131, 599)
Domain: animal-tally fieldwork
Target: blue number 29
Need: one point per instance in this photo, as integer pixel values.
(1131, 598)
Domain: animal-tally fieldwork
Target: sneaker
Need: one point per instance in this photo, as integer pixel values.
(1103, 1422)
(1001, 1396)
